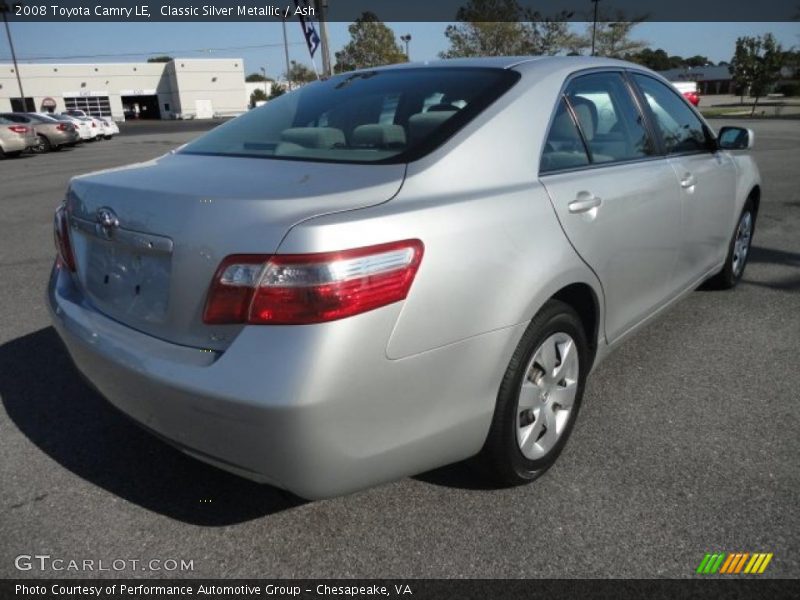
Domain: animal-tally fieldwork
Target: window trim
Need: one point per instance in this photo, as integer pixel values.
(646, 122)
(711, 139)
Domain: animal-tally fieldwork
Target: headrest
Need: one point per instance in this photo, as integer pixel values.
(421, 125)
(314, 137)
(563, 125)
(380, 135)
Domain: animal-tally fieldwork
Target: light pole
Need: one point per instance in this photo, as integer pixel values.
(4, 8)
(264, 71)
(406, 39)
(594, 25)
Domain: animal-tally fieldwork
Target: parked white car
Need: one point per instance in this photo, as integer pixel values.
(109, 126)
(84, 127)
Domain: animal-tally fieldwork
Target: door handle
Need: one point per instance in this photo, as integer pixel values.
(688, 181)
(584, 202)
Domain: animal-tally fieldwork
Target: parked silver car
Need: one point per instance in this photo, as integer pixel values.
(50, 134)
(15, 137)
(398, 268)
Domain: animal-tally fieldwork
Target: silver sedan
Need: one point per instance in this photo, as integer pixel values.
(399, 268)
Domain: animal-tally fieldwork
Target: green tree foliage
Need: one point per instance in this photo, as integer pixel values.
(756, 64)
(254, 77)
(159, 59)
(277, 90)
(504, 28)
(299, 73)
(371, 44)
(659, 60)
(258, 95)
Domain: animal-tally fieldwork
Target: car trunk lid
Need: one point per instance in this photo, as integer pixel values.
(148, 238)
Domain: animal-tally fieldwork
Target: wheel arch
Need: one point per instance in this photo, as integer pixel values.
(583, 299)
(755, 196)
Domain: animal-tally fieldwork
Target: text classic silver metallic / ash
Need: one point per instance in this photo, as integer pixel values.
(399, 268)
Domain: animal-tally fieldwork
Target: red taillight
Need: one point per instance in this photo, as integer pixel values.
(294, 289)
(94, 124)
(62, 127)
(18, 129)
(61, 236)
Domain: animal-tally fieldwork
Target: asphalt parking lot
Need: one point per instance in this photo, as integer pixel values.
(688, 439)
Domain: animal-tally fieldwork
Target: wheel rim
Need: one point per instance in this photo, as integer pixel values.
(547, 395)
(741, 245)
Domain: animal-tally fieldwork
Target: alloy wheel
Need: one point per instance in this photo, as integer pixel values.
(741, 245)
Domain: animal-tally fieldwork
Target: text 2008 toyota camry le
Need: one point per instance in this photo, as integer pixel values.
(399, 268)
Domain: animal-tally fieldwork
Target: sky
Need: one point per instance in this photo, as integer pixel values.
(260, 44)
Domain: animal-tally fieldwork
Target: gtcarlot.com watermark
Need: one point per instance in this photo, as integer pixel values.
(48, 563)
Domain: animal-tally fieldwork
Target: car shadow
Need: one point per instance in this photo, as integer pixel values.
(762, 255)
(51, 404)
(777, 257)
(465, 475)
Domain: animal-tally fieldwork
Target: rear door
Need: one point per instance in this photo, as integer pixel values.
(706, 178)
(615, 196)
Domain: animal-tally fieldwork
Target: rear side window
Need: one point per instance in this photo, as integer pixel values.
(378, 116)
(605, 125)
(680, 128)
(609, 120)
(564, 148)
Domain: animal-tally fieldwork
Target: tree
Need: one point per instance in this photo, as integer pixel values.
(551, 35)
(256, 77)
(487, 28)
(658, 60)
(277, 90)
(504, 28)
(613, 38)
(756, 65)
(258, 95)
(697, 61)
(299, 73)
(160, 59)
(371, 44)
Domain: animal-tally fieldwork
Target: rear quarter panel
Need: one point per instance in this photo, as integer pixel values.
(494, 250)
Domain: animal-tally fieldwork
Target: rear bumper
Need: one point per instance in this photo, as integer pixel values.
(318, 410)
(15, 144)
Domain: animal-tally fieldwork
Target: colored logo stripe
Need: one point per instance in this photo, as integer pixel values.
(733, 563)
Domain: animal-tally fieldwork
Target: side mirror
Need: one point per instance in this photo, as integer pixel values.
(736, 138)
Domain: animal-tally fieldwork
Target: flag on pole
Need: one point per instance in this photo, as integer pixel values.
(309, 31)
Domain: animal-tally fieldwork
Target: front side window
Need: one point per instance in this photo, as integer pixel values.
(680, 128)
(366, 117)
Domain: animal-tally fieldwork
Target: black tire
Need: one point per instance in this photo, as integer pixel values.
(44, 145)
(501, 453)
(731, 273)
(14, 154)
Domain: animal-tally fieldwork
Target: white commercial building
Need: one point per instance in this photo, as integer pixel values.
(184, 88)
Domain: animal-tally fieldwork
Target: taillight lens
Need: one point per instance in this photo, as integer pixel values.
(294, 289)
(62, 127)
(18, 129)
(61, 237)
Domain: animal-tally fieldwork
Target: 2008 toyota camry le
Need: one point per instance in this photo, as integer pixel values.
(398, 268)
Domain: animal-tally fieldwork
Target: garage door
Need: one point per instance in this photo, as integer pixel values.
(97, 106)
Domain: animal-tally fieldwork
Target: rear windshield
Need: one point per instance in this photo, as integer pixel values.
(366, 117)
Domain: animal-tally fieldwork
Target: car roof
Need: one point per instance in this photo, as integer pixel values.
(542, 64)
